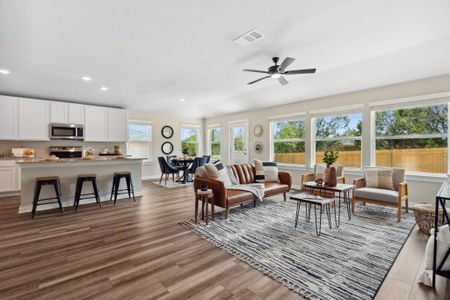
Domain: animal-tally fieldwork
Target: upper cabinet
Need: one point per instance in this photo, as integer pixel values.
(9, 124)
(34, 120)
(75, 113)
(66, 113)
(29, 119)
(96, 124)
(58, 112)
(117, 125)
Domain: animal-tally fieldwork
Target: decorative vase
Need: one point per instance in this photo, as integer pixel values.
(332, 177)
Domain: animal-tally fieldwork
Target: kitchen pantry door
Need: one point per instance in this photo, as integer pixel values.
(239, 142)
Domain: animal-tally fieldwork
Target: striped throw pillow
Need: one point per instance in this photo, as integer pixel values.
(379, 178)
(265, 171)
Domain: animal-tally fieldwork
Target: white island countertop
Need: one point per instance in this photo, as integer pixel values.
(68, 170)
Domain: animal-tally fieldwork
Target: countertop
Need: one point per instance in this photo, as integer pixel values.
(27, 161)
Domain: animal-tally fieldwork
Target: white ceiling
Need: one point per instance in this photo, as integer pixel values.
(185, 49)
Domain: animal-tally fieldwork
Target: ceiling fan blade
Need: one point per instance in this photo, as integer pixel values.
(254, 81)
(286, 62)
(303, 71)
(282, 80)
(256, 71)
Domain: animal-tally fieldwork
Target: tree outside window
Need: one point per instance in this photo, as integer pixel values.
(413, 138)
(189, 140)
(341, 133)
(289, 141)
(214, 136)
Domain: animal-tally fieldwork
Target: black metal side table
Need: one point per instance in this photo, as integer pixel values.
(343, 191)
(312, 200)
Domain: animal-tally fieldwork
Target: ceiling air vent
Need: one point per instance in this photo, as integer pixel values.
(249, 38)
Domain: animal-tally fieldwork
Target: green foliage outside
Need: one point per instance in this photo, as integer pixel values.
(215, 134)
(286, 130)
(189, 142)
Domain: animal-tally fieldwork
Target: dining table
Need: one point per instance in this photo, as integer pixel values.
(183, 165)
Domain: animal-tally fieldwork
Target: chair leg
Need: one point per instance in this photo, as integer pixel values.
(284, 196)
(112, 188)
(226, 212)
(79, 189)
(165, 179)
(399, 212)
(406, 204)
(173, 177)
(132, 189)
(58, 194)
(128, 179)
(160, 179)
(76, 200)
(37, 192)
(116, 189)
(95, 187)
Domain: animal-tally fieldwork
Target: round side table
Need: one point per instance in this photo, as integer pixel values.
(204, 196)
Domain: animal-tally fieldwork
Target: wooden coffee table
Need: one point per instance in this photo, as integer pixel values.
(343, 191)
(313, 200)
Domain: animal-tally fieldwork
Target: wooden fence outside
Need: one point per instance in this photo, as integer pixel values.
(429, 160)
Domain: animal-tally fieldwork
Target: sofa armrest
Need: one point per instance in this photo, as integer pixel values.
(285, 178)
(217, 186)
(358, 182)
(307, 177)
(402, 190)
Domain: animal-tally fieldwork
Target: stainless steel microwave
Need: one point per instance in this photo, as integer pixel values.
(66, 132)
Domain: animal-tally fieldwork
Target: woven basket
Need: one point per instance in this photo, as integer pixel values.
(425, 217)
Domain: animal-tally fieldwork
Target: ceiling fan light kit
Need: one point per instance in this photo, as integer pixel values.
(278, 70)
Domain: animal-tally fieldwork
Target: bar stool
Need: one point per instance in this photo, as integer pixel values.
(79, 187)
(41, 181)
(116, 183)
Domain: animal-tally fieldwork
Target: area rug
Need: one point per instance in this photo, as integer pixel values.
(349, 262)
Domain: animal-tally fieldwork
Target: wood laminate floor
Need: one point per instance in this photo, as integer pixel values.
(137, 251)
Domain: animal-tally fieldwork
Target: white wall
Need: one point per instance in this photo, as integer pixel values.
(151, 169)
(421, 189)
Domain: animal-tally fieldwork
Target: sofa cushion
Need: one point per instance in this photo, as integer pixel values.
(238, 196)
(379, 178)
(244, 172)
(271, 188)
(218, 172)
(377, 194)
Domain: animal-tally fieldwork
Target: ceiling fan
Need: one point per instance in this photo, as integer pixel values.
(277, 70)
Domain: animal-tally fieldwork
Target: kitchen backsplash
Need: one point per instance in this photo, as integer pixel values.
(41, 148)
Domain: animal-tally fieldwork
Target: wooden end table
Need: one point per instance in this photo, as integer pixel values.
(205, 197)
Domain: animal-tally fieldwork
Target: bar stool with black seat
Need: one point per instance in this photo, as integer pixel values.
(41, 181)
(116, 183)
(79, 187)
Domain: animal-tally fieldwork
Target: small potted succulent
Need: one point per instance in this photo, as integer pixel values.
(330, 157)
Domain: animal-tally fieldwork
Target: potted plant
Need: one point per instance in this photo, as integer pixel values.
(185, 152)
(330, 157)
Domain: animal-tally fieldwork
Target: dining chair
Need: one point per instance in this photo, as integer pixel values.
(198, 162)
(166, 170)
(207, 158)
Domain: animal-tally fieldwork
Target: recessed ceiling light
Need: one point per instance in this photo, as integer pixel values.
(4, 72)
(104, 88)
(86, 78)
(182, 100)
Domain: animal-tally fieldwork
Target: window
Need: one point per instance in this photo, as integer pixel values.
(214, 136)
(190, 140)
(288, 141)
(413, 138)
(341, 133)
(139, 140)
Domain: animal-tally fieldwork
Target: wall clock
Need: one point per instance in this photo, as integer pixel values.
(258, 130)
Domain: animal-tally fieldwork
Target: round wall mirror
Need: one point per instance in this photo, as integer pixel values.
(167, 148)
(167, 132)
(258, 147)
(258, 130)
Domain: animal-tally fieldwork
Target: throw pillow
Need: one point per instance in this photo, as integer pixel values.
(318, 172)
(379, 178)
(270, 171)
(218, 172)
(259, 170)
(201, 172)
(233, 179)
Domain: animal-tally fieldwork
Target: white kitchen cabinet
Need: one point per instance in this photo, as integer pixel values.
(9, 176)
(58, 112)
(34, 120)
(75, 113)
(9, 118)
(96, 124)
(117, 125)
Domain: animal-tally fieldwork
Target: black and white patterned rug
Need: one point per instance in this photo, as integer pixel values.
(349, 262)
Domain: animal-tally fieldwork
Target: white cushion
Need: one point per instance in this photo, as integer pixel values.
(377, 194)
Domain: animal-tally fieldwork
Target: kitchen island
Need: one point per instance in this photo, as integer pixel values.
(68, 170)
